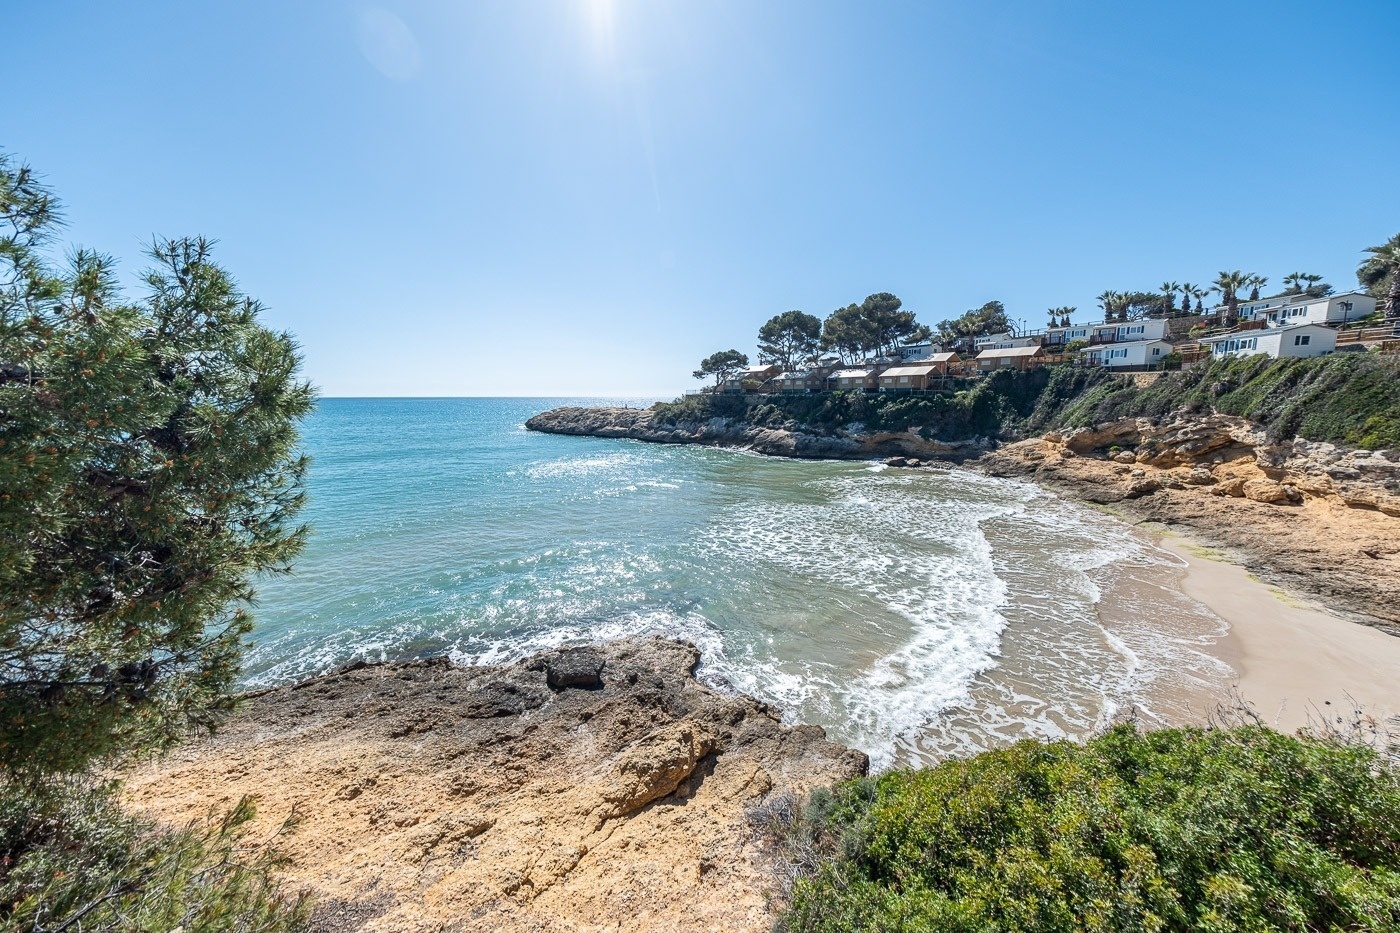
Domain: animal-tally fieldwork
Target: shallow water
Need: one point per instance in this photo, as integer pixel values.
(913, 614)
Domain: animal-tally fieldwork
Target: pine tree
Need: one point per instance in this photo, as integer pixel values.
(149, 471)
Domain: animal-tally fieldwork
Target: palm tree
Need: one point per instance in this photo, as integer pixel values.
(1169, 290)
(1312, 281)
(1255, 283)
(1109, 302)
(1228, 284)
(1382, 269)
(1294, 281)
(1189, 293)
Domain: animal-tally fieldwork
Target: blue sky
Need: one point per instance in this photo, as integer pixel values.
(570, 197)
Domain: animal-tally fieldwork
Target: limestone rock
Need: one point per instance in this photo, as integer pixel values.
(1264, 490)
(522, 805)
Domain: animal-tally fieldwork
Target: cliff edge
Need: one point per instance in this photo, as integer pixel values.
(581, 789)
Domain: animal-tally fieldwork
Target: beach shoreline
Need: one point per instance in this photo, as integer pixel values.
(1295, 662)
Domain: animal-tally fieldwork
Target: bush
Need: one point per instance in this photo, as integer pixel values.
(71, 858)
(1180, 829)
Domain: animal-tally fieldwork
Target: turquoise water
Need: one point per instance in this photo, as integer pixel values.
(908, 612)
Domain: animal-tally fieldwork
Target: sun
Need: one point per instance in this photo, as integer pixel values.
(601, 18)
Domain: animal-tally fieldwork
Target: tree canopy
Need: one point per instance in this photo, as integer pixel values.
(879, 324)
(790, 339)
(989, 319)
(721, 365)
(150, 471)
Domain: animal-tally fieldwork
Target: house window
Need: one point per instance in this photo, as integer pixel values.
(1156, 351)
(903, 378)
(1302, 340)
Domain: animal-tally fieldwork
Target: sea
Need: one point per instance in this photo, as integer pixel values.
(912, 614)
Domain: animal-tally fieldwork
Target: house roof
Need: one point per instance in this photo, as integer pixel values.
(1124, 343)
(913, 369)
(852, 373)
(1011, 351)
(943, 358)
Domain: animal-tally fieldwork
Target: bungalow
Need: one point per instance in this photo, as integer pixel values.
(1020, 358)
(751, 379)
(1129, 331)
(1004, 341)
(1108, 332)
(812, 379)
(858, 377)
(1333, 309)
(1061, 335)
(1127, 353)
(917, 352)
(1292, 342)
(921, 375)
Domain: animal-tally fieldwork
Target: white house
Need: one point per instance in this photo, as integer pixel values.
(1069, 333)
(1291, 342)
(1124, 331)
(1334, 309)
(1106, 332)
(1128, 353)
(1003, 341)
(1283, 310)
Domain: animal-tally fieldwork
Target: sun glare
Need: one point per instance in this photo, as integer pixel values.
(601, 18)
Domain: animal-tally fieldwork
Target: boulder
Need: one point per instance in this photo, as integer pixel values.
(897, 461)
(1264, 490)
(1200, 476)
(1125, 456)
(580, 668)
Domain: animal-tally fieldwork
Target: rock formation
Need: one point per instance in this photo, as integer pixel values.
(1314, 518)
(582, 789)
(792, 440)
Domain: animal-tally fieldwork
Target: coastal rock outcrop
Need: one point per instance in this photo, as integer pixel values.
(1315, 518)
(852, 443)
(598, 787)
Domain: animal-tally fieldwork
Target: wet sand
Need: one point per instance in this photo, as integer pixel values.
(1294, 660)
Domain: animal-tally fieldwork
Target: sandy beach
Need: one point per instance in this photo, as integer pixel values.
(1294, 660)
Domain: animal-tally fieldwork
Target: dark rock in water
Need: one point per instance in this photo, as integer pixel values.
(897, 462)
(575, 667)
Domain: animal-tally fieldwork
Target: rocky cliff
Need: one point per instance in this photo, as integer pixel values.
(791, 440)
(1314, 518)
(582, 789)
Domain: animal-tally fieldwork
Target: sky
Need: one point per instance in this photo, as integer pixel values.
(586, 197)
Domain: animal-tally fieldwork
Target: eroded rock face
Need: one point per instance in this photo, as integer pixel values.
(851, 443)
(1316, 518)
(581, 789)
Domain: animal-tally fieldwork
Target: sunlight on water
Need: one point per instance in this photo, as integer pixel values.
(911, 614)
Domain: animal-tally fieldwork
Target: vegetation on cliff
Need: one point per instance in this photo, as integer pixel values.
(149, 468)
(1345, 398)
(1180, 829)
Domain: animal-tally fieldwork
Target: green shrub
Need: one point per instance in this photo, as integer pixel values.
(1179, 829)
(72, 859)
